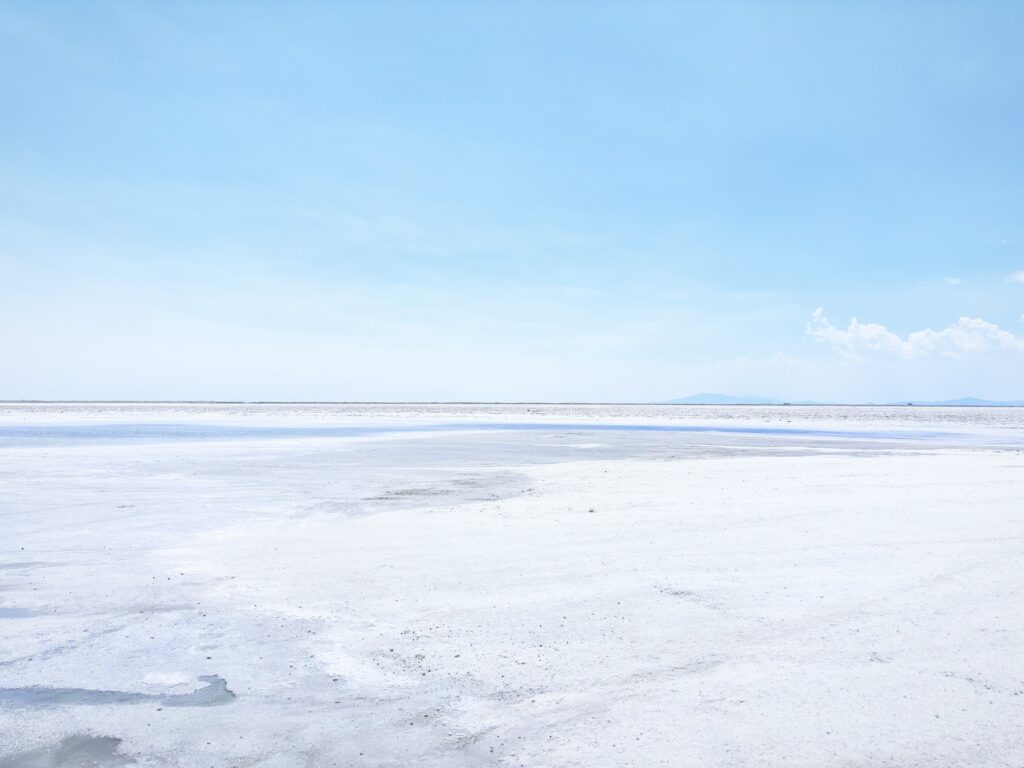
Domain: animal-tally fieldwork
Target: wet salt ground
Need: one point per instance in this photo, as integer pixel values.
(72, 752)
(214, 693)
(135, 494)
(459, 463)
(15, 613)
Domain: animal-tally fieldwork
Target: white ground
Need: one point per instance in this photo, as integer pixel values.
(548, 598)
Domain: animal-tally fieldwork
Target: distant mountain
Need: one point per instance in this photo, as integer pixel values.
(714, 398)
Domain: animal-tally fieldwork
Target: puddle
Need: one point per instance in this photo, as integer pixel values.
(213, 694)
(8, 612)
(72, 752)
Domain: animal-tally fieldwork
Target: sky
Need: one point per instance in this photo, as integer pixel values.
(558, 201)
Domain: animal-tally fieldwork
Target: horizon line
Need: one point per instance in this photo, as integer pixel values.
(783, 404)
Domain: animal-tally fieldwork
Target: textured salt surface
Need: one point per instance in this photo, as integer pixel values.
(560, 595)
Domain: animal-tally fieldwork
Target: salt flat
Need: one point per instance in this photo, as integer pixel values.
(382, 585)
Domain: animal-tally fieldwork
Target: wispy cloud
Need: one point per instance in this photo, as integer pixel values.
(858, 341)
(953, 281)
(1016, 277)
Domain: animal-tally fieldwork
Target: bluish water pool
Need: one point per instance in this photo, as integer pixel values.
(53, 434)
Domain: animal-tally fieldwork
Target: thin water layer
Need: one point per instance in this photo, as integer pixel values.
(214, 693)
(13, 612)
(53, 434)
(77, 751)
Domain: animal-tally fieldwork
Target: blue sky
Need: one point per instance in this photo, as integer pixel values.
(551, 201)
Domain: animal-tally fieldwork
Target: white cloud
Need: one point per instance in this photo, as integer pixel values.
(858, 341)
(953, 280)
(1016, 277)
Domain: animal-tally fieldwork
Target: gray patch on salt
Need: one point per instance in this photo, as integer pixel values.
(688, 595)
(22, 564)
(72, 752)
(10, 612)
(213, 694)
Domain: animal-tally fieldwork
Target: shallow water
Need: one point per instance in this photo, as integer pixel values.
(78, 751)
(213, 694)
(52, 434)
(9, 612)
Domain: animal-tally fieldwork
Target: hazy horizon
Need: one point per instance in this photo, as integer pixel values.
(684, 401)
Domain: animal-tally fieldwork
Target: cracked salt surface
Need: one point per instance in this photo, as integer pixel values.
(512, 596)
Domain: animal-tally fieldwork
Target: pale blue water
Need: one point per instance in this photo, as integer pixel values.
(56, 434)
